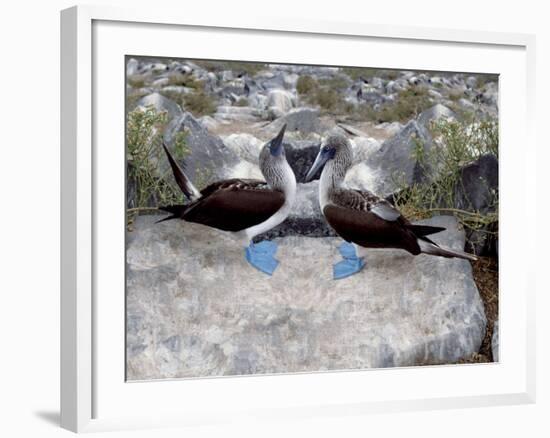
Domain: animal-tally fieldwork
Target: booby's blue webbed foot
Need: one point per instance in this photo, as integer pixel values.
(261, 256)
(351, 263)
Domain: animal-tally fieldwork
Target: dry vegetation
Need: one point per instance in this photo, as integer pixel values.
(144, 174)
(456, 145)
(239, 67)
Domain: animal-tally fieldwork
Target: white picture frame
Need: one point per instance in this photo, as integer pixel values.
(92, 394)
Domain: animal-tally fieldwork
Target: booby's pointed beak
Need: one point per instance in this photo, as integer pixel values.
(276, 145)
(320, 161)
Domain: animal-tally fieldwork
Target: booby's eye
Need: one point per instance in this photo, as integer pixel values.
(328, 151)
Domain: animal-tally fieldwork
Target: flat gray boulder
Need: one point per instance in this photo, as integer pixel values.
(196, 308)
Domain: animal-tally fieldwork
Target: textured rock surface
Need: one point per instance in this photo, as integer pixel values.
(208, 157)
(279, 102)
(305, 218)
(246, 146)
(477, 191)
(302, 120)
(395, 160)
(196, 308)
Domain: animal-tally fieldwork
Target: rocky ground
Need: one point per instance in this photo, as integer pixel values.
(225, 112)
(196, 308)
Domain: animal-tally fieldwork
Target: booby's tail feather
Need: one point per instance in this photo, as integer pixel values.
(176, 210)
(424, 230)
(183, 181)
(429, 247)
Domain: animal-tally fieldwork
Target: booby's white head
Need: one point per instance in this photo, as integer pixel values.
(335, 157)
(274, 166)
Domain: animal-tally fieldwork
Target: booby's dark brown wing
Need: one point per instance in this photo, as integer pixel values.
(234, 205)
(365, 219)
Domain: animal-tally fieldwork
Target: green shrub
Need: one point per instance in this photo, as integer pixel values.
(355, 73)
(143, 152)
(249, 68)
(136, 81)
(306, 85)
(328, 99)
(483, 80)
(456, 144)
(133, 96)
(325, 93)
(243, 101)
(408, 104)
(337, 83)
(455, 95)
(185, 80)
(199, 103)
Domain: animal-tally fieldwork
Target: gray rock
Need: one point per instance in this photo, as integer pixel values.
(246, 146)
(305, 218)
(279, 102)
(179, 89)
(363, 148)
(477, 190)
(269, 80)
(208, 158)
(436, 80)
(490, 95)
(238, 113)
(363, 177)
(209, 123)
(377, 82)
(373, 98)
(351, 130)
(158, 67)
(495, 342)
(390, 128)
(395, 162)
(132, 67)
(303, 120)
(300, 156)
(160, 82)
(471, 82)
(161, 103)
(290, 80)
(196, 308)
(257, 100)
(397, 85)
(466, 104)
(226, 75)
(435, 113)
(478, 185)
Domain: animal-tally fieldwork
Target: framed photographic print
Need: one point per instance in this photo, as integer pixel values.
(289, 219)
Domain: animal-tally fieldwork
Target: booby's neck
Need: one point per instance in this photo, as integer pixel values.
(332, 177)
(279, 177)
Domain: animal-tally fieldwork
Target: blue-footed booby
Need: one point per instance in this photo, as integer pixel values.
(245, 207)
(363, 219)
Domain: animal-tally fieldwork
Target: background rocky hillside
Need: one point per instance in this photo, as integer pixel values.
(407, 129)
(428, 141)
